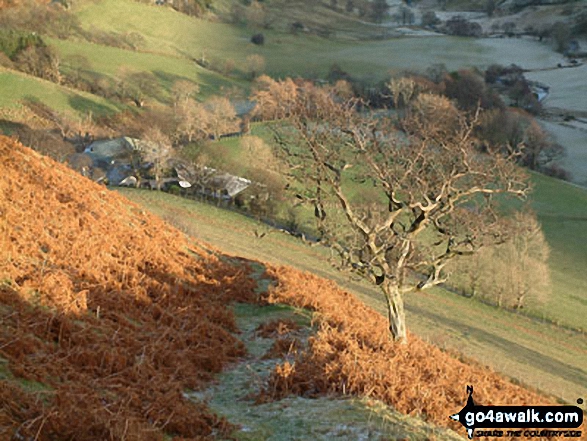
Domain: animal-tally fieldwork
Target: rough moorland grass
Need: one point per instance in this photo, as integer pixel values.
(15, 86)
(536, 353)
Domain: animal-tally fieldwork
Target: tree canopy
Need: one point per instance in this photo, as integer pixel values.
(431, 187)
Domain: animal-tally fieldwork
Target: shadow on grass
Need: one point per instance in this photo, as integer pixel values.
(85, 105)
(9, 128)
(514, 351)
(167, 80)
(210, 82)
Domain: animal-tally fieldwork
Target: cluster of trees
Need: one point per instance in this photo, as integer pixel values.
(462, 27)
(500, 125)
(512, 274)
(210, 119)
(27, 52)
(563, 35)
(376, 10)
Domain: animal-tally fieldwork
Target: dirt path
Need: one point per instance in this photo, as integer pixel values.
(292, 418)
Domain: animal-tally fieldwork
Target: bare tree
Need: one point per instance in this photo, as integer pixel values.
(402, 90)
(255, 65)
(137, 86)
(182, 91)
(260, 155)
(435, 192)
(561, 34)
(273, 99)
(192, 120)
(157, 150)
(222, 118)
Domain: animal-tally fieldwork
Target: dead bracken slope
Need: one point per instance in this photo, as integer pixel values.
(107, 314)
(352, 354)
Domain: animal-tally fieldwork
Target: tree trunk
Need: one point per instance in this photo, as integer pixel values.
(395, 312)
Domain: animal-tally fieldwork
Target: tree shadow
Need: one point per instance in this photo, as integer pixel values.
(85, 105)
(209, 83)
(10, 128)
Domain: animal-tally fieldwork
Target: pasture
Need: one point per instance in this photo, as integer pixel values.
(112, 62)
(568, 88)
(16, 86)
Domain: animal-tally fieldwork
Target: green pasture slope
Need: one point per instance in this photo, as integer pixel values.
(16, 86)
(110, 62)
(549, 357)
(562, 211)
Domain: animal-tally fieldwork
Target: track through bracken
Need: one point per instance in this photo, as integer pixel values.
(352, 353)
(111, 313)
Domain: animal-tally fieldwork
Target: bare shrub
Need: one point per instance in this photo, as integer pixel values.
(511, 274)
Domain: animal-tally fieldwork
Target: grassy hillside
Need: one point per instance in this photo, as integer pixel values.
(169, 32)
(17, 86)
(113, 325)
(522, 347)
(113, 62)
(535, 353)
(562, 211)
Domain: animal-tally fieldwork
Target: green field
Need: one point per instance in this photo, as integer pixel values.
(540, 354)
(16, 86)
(568, 87)
(111, 62)
(562, 211)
